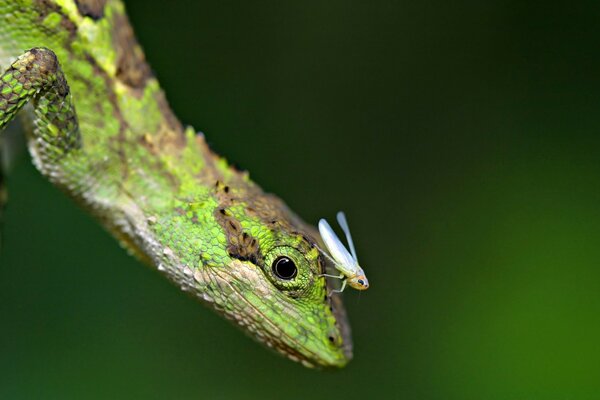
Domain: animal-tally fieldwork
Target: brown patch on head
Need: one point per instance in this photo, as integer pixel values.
(240, 244)
(271, 209)
(132, 68)
(223, 194)
(91, 8)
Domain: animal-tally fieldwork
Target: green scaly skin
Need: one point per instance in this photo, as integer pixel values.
(104, 133)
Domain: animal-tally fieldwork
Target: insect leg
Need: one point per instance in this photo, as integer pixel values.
(340, 276)
(340, 290)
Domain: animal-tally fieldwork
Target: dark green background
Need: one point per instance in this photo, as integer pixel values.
(462, 140)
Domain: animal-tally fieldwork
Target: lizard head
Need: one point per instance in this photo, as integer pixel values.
(252, 260)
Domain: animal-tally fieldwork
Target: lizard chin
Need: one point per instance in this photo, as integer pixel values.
(316, 334)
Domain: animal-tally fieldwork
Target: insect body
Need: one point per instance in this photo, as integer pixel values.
(351, 273)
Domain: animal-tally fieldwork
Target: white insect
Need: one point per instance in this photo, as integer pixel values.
(351, 273)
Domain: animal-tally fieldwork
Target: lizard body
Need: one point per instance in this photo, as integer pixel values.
(103, 132)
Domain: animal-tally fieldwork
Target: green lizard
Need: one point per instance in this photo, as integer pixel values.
(103, 132)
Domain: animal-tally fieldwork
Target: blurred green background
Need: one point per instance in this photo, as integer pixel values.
(462, 140)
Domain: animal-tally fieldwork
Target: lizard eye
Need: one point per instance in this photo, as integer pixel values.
(284, 268)
(288, 269)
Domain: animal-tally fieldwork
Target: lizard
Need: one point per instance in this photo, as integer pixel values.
(101, 129)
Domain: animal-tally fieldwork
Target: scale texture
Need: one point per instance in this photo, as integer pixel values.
(102, 130)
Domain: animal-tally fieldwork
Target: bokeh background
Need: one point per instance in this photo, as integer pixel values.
(461, 138)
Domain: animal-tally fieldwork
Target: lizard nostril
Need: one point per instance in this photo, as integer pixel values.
(334, 337)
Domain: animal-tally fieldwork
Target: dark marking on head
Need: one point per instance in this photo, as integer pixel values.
(322, 263)
(91, 8)
(306, 238)
(240, 245)
(222, 190)
(233, 227)
(224, 194)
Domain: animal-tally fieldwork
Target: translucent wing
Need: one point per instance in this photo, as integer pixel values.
(345, 261)
(341, 218)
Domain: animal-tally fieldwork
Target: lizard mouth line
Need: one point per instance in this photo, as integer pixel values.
(265, 318)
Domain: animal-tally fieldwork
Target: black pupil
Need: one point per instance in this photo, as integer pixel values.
(284, 268)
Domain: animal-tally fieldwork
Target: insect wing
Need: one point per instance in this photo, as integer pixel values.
(341, 217)
(345, 261)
